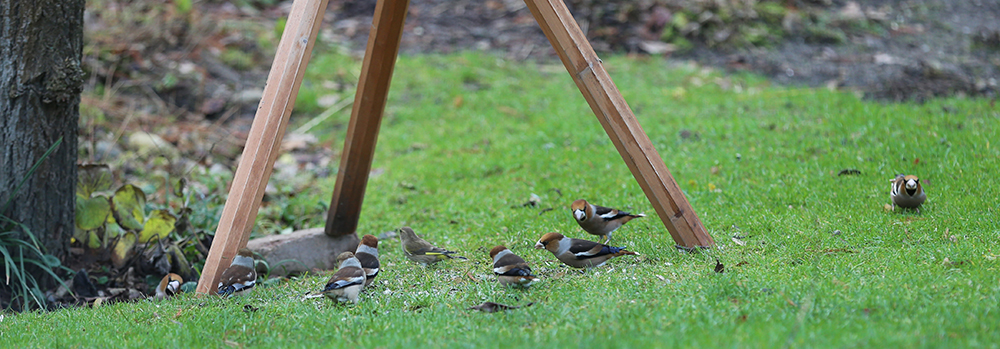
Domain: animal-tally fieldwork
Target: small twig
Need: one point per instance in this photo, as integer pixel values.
(326, 114)
(121, 130)
(469, 274)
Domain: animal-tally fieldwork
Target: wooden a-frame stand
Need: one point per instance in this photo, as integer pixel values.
(282, 87)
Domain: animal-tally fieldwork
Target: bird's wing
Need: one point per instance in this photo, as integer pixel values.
(436, 251)
(237, 278)
(369, 263)
(345, 277)
(511, 265)
(610, 214)
(584, 249)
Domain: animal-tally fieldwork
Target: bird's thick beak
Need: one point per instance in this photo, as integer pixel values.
(539, 245)
(911, 184)
(579, 214)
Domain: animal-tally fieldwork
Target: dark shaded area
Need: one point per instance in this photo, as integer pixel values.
(41, 78)
(890, 49)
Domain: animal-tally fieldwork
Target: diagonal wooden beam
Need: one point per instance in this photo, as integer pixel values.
(366, 117)
(621, 125)
(264, 139)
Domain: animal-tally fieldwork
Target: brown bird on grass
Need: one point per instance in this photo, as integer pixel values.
(347, 282)
(240, 277)
(600, 220)
(510, 268)
(579, 253)
(907, 192)
(367, 254)
(421, 251)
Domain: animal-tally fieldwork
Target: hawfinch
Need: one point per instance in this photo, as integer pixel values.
(347, 282)
(169, 286)
(421, 251)
(907, 192)
(579, 253)
(510, 268)
(240, 277)
(367, 254)
(599, 220)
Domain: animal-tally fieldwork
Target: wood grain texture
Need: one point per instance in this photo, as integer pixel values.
(262, 146)
(366, 117)
(619, 122)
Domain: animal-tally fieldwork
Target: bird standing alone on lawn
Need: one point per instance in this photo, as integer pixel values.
(907, 192)
(599, 220)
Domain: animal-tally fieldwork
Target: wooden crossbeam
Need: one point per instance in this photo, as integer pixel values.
(621, 125)
(264, 139)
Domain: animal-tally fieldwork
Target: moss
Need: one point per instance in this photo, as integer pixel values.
(824, 35)
(760, 34)
(682, 44)
(771, 13)
(669, 33)
(237, 59)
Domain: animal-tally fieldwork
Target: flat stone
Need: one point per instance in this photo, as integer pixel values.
(302, 251)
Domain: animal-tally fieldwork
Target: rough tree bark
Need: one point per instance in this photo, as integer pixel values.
(41, 46)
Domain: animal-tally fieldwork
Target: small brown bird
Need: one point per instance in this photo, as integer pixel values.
(169, 286)
(510, 268)
(579, 253)
(907, 192)
(367, 254)
(240, 277)
(600, 220)
(347, 282)
(421, 251)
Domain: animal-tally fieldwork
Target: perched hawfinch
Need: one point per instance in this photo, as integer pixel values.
(240, 277)
(579, 253)
(347, 282)
(421, 251)
(169, 286)
(907, 192)
(367, 254)
(510, 268)
(599, 220)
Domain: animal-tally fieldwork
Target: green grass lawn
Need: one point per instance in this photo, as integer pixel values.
(818, 261)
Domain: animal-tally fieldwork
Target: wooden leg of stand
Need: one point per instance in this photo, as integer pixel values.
(621, 125)
(369, 103)
(264, 139)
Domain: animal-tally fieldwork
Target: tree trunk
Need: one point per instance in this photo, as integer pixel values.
(41, 46)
